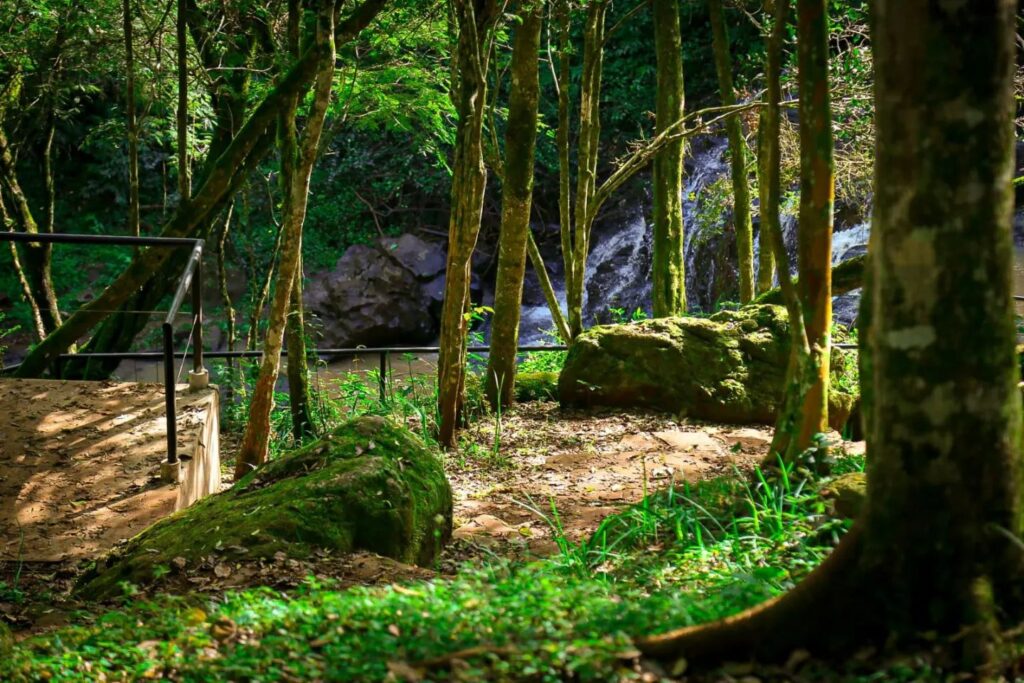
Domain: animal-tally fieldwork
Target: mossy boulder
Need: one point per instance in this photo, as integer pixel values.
(536, 386)
(729, 367)
(370, 485)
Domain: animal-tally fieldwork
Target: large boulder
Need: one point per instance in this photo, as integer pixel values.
(370, 485)
(730, 367)
(379, 295)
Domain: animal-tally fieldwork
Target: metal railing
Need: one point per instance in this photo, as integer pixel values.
(191, 278)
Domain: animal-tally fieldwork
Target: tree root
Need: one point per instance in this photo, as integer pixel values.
(820, 614)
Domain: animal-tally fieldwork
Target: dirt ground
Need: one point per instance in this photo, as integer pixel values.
(80, 464)
(584, 465)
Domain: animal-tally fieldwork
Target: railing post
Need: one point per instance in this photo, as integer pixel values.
(199, 378)
(382, 379)
(169, 472)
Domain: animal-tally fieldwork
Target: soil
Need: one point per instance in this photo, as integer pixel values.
(80, 465)
(582, 465)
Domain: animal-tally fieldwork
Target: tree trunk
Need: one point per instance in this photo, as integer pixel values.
(737, 154)
(37, 256)
(937, 547)
(669, 266)
(131, 123)
(817, 193)
(184, 179)
(256, 440)
(765, 256)
(475, 20)
(516, 202)
(298, 368)
(587, 152)
(945, 440)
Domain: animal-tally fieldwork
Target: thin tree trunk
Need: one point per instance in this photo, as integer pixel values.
(561, 324)
(26, 289)
(132, 125)
(37, 256)
(737, 154)
(587, 151)
(298, 373)
(769, 213)
(256, 439)
(817, 192)
(184, 179)
(516, 201)
(298, 368)
(469, 178)
(669, 265)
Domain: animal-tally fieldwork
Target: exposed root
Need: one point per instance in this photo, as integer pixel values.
(826, 607)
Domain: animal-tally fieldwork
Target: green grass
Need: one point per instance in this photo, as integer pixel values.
(686, 556)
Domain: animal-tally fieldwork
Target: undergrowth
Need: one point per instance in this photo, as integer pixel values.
(687, 555)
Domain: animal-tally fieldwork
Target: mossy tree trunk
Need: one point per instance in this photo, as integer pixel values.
(223, 176)
(184, 177)
(587, 153)
(668, 267)
(131, 121)
(516, 201)
(299, 155)
(765, 255)
(295, 334)
(737, 154)
(800, 368)
(37, 257)
(945, 437)
(474, 22)
(817, 193)
(936, 551)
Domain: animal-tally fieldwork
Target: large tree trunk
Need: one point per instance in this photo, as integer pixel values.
(256, 440)
(817, 192)
(737, 154)
(937, 548)
(474, 21)
(668, 268)
(945, 438)
(516, 201)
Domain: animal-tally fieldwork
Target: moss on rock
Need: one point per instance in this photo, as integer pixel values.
(536, 386)
(730, 367)
(369, 485)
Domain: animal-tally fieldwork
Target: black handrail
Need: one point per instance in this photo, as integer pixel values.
(191, 278)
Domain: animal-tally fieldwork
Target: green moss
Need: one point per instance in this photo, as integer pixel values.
(369, 485)
(536, 386)
(6, 641)
(730, 367)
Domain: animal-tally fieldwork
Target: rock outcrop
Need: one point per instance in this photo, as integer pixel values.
(729, 367)
(380, 295)
(370, 485)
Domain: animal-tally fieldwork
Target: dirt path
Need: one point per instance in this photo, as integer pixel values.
(585, 466)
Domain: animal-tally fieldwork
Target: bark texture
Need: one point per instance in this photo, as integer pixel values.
(817, 194)
(945, 434)
(474, 21)
(737, 154)
(516, 202)
(668, 267)
(255, 441)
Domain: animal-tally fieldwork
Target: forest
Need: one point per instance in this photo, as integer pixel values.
(511, 340)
